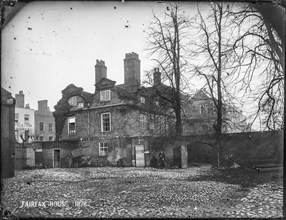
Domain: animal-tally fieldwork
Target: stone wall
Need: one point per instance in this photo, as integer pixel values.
(249, 148)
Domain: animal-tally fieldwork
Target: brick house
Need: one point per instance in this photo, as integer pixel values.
(201, 116)
(44, 122)
(24, 120)
(116, 120)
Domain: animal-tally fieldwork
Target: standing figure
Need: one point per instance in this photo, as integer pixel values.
(162, 163)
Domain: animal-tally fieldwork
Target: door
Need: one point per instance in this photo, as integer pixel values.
(140, 159)
(177, 156)
(57, 158)
(38, 158)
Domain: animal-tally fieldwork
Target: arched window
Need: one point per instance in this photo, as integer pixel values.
(205, 127)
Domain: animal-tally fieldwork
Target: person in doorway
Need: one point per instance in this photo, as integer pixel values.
(153, 162)
(162, 163)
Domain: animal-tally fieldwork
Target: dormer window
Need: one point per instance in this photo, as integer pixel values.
(142, 100)
(75, 101)
(105, 96)
(72, 101)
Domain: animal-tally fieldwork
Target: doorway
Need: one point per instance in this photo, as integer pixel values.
(57, 158)
(139, 154)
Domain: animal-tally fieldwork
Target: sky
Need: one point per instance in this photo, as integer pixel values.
(49, 45)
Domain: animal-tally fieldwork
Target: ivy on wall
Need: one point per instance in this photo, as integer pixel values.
(61, 113)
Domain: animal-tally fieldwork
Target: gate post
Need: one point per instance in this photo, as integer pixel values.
(184, 156)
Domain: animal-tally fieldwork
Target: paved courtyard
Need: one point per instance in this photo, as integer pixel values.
(143, 192)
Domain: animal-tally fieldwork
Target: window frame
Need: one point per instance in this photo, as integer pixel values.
(105, 95)
(142, 100)
(26, 121)
(69, 131)
(16, 117)
(102, 126)
(101, 147)
(50, 126)
(72, 101)
(143, 121)
(41, 122)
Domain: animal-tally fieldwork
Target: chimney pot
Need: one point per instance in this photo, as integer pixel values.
(156, 77)
(100, 70)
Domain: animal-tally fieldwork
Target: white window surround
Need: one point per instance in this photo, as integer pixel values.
(105, 96)
(72, 101)
(142, 99)
(105, 122)
(71, 124)
(103, 148)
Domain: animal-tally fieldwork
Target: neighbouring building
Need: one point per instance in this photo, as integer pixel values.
(24, 120)
(7, 134)
(44, 122)
(201, 116)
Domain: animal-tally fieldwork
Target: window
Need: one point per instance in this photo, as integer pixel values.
(105, 122)
(203, 109)
(71, 125)
(50, 126)
(16, 117)
(41, 126)
(103, 149)
(26, 118)
(50, 138)
(73, 101)
(142, 100)
(105, 95)
(143, 121)
(205, 127)
(41, 138)
(80, 105)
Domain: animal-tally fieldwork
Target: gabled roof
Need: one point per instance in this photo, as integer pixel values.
(105, 83)
(201, 95)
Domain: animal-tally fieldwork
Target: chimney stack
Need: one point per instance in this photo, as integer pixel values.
(132, 71)
(100, 70)
(27, 106)
(20, 100)
(156, 77)
(43, 105)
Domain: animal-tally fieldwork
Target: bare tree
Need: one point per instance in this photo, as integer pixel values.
(167, 40)
(255, 23)
(216, 63)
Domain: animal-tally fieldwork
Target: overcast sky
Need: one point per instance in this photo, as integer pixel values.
(49, 45)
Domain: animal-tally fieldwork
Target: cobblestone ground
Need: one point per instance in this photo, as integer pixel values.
(133, 192)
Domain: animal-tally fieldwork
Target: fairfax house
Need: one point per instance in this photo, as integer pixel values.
(114, 121)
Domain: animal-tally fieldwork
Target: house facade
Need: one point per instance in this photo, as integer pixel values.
(44, 122)
(114, 121)
(24, 120)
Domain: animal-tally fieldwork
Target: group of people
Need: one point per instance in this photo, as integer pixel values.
(154, 162)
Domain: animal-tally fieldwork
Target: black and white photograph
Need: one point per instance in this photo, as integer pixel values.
(138, 109)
